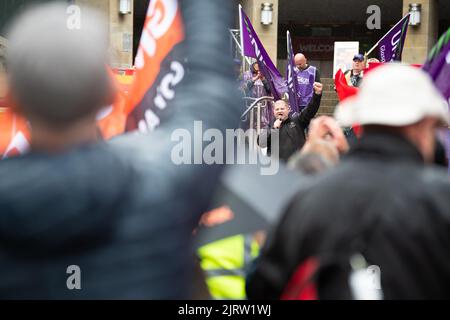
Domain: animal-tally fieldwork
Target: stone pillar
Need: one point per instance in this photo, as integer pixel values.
(420, 39)
(121, 35)
(267, 34)
(120, 30)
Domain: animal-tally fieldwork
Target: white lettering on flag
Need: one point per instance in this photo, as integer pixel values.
(19, 144)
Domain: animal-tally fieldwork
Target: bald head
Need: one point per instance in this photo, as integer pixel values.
(300, 61)
(58, 73)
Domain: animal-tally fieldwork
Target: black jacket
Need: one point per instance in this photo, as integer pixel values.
(381, 202)
(122, 211)
(292, 131)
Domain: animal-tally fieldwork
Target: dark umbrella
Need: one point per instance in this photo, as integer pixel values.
(248, 202)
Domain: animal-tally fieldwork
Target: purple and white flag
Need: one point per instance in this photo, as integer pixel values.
(438, 64)
(390, 47)
(252, 47)
(438, 67)
(291, 76)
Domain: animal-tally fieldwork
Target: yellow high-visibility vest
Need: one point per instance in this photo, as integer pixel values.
(225, 263)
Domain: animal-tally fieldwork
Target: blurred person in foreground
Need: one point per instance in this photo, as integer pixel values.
(386, 206)
(289, 129)
(322, 150)
(122, 211)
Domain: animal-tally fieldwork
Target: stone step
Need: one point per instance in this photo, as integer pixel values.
(324, 114)
(328, 87)
(329, 94)
(328, 109)
(327, 81)
(329, 102)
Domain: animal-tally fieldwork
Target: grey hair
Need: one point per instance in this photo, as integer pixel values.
(58, 74)
(309, 163)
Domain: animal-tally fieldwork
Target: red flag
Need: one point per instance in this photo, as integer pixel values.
(159, 67)
(342, 88)
(156, 73)
(344, 91)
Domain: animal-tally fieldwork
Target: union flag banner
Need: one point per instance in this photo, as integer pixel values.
(390, 47)
(252, 47)
(291, 76)
(143, 93)
(159, 66)
(159, 69)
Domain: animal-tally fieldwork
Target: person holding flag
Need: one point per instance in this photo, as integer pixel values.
(307, 75)
(257, 86)
(354, 76)
(122, 211)
(252, 47)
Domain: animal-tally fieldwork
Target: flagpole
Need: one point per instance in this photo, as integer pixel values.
(373, 48)
(240, 30)
(241, 40)
(287, 41)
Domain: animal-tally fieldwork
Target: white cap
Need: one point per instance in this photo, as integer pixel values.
(393, 95)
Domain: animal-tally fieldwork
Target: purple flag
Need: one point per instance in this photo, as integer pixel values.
(252, 47)
(438, 67)
(438, 64)
(448, 149)
(291, 76)
(390, 47)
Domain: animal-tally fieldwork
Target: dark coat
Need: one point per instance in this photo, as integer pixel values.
(381, 202)
(122, 211)
(292, 131)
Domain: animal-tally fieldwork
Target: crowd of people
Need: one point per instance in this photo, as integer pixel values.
(386, 202)
(124, 213)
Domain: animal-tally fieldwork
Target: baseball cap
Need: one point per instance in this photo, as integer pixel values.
(393, 95)
(359, 57)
